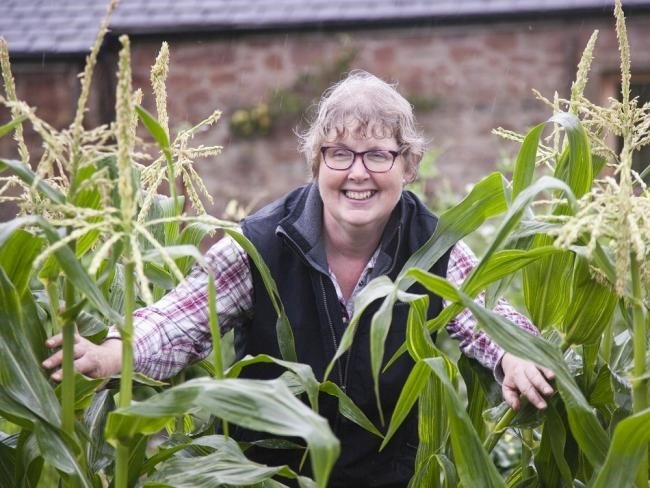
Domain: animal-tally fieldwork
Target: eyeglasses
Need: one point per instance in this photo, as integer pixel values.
(375, 160)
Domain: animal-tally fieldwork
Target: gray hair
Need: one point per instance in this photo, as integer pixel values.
(366, 103)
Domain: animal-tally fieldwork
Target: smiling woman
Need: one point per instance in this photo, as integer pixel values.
(323, 243)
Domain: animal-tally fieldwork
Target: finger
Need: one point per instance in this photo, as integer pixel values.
(54, 341)
(57, 375)
(511, 397)
(550, 375)
(539, 381)
(54, 360)
(534, 396)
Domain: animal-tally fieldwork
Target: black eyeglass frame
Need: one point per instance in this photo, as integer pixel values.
(362, 156)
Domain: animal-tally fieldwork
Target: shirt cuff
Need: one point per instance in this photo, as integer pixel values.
(498, 369)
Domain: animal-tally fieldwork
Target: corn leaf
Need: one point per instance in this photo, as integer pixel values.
(282, 327)
(628, 446)
(25, 173)
(473, 463)
(266, 406)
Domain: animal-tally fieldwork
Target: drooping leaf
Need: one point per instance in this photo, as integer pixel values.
(266, 406)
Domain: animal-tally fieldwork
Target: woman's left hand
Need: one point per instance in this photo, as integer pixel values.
(523, 377)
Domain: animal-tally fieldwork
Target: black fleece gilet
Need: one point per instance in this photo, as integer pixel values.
(287, 233)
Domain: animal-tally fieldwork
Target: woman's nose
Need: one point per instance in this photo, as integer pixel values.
(358, 168)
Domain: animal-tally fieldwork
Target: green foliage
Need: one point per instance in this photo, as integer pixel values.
(98, 238)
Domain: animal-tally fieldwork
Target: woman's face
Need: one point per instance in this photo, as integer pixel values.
(356, 199)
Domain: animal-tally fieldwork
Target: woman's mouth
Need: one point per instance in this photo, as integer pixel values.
(359, 195)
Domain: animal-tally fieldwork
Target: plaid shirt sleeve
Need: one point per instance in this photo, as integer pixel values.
(476, 344)
(175, 331)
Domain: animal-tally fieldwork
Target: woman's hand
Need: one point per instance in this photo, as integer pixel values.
(94, 360)
(522, 377)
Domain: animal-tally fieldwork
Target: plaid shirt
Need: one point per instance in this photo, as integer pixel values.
(174, 331)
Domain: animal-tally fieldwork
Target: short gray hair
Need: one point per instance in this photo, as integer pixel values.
(368, 103)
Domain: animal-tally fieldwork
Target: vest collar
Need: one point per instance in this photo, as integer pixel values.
(303, 229)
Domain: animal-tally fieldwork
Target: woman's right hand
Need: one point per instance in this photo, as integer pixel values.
(94, 360)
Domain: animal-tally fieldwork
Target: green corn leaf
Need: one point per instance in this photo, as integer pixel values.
(348, 409)
(591, 309)
(377, 288)
(266, 406)
(522, 176)
(193, 235)
(17, 253)
(25, 173)
(415, 383)
(21, 377)
(575, 167)
(156, 131)
(98, 452)
(585, 426)
(7, 465)
(302, 371)
(550, 459)
(486, 200)
(223, 463)
(57, 453)
(10, 127)
(626, 450)
(283, 328)
(473, 463)
(547, 286)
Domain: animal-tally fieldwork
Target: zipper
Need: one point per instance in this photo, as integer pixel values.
(332, 331)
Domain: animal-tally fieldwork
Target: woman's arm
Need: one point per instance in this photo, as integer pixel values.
(174, 331)
(516, 375)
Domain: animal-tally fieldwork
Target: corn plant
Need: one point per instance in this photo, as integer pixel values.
(583, 253)
(94, 239)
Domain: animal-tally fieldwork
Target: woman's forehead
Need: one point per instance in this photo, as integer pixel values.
(359, 130)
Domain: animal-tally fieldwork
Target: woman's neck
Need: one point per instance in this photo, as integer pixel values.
(350, 243)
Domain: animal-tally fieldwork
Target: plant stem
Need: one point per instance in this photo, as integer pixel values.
(126, 379)
(639, 387)
(491, 440)
(216, 336)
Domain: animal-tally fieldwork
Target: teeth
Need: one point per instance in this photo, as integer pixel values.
(359, 195)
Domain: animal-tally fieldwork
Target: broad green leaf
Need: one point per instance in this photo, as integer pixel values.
(575, 167)
(547, 285)
(473, 463)
(550, 459)
(377, 288)
(25, 173)
(17, 253)
(283, 328)
(57, 453)
(522, 176)
(21, 377)
(590, 310)
(225, 465)
(84, 390)
(584, 425)
(99, 453)
(628, 445)
(7, 465)
(156, 131)
(266, 406)
(415, 383)
(494, 267)
(486, 200)
(302, 371)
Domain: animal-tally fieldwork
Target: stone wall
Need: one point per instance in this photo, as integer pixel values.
(463, 79)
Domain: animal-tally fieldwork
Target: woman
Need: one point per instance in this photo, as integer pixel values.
(323, 243)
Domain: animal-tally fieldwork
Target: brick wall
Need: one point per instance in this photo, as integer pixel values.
(472, 78)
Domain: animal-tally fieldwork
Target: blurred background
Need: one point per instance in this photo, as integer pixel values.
(467, 66)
